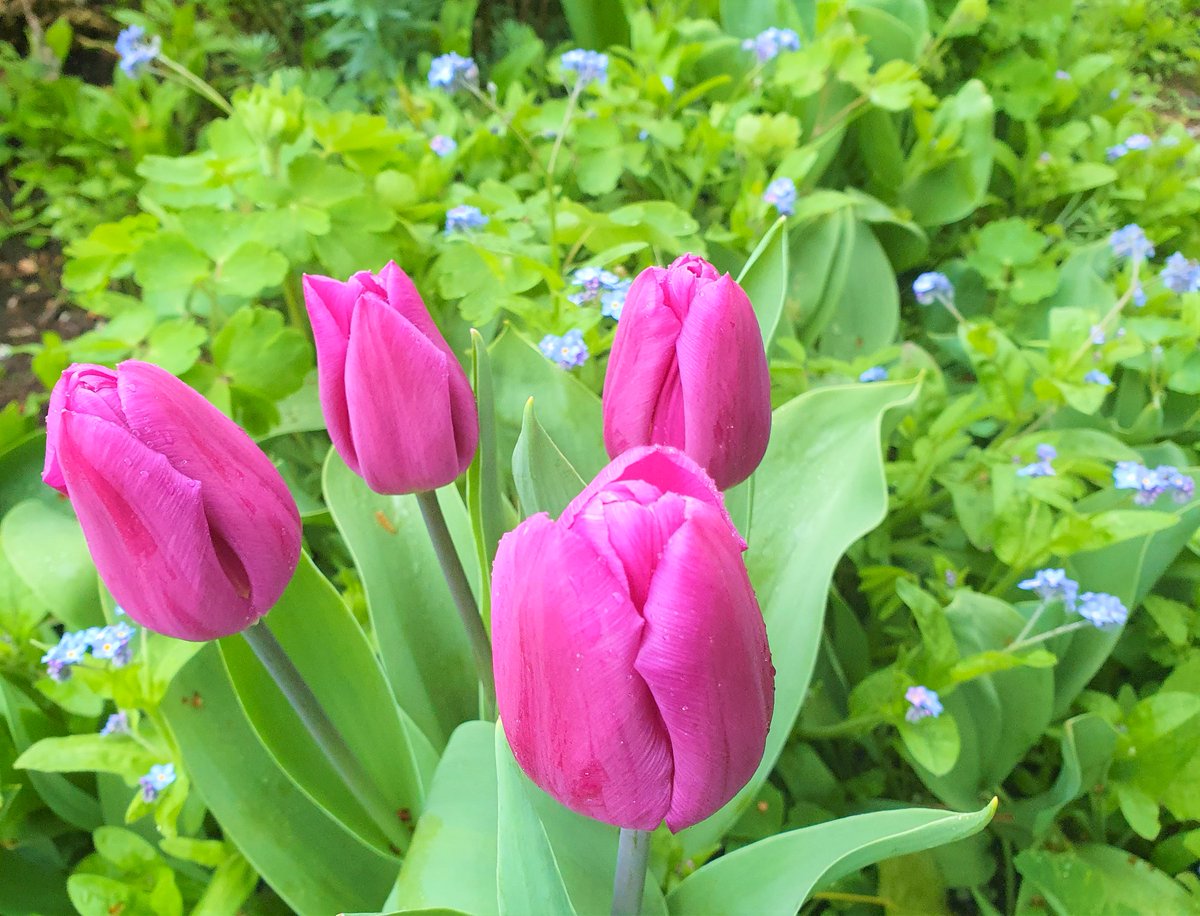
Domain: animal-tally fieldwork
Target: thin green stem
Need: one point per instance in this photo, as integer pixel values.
(1031, 622)
(857, 725)
(195, 83)
(1049, 634)
(296, 312)
(460, 591)
(281, 667)
(633, 854)
(1112, 313)
(551, 164)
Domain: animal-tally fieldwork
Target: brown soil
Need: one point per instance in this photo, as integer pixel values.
(31, 303)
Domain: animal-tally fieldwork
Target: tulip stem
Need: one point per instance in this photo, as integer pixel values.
(281, 667)
(460, 591)
(633, 854)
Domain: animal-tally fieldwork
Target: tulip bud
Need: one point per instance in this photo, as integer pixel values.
(632, 669)
(190, 525)
(397, 403)
(688, 369)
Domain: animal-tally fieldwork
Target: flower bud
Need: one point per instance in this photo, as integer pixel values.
(190, 525)
(688, 370)
(632, 670)
(397, 403)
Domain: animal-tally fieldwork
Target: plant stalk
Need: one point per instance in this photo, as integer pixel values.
(460, 591)
(281, 667)
(633, 854)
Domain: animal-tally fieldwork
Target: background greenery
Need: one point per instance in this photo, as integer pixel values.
(962, 137)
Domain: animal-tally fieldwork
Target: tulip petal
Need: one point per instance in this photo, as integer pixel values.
(640, 366)
(252, 517)
(725, 382)
(667, 469)
(402, 295)
(580, 722)
(704, 656)
(96, 380)
(330, 306)
(407, 443)
(146, 528)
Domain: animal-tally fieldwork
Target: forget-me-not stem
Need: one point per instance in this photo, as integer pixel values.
(285, 673)
(460, 591)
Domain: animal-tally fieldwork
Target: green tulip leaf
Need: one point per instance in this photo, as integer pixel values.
(422, 644)
(765, 278)
(545, 479)
(483, 477)
(778, 874)
(1099, 879)
(311, 860)
(343, 672)
(820, 487)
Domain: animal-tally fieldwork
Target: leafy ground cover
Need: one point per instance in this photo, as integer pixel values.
(969, 232)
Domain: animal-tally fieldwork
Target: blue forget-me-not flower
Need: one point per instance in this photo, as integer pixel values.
(449, 71)
(923, 704)
(1181, 275)
(1151, 484)
(1131, 242)
(153, 783)
(781, 194)
(874, 374)
(769, 43)
(567, 352)
(588, 66)
(464, 217)
(117, 724)
(1049, 584)
(1042, 467)
(1102, 610)
(134, 50)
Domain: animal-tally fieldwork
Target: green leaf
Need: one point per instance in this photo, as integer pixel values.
(259, 355)
(89, 753)
(452, 860)
(314, 863)
(933, 742)
(46, 549)
(936, 636)
(343, 672)
(527, 875)
(778, 875)
(168, 261)
(422, 644)
(545, 480)
(1102, 880)
(484, 501)
(252, 268)
(764, 277)
(597, 24)
(570, 412)
(820, 487)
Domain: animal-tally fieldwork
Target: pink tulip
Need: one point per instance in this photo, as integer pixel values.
(632, 669)
(190, 525)
(688, 369)
(397, 403)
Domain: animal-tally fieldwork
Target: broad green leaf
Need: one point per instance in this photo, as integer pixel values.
(424, 650)
(820, 487)
(778, 875)
(252, 268)
(597, 24)
(764, 277)
(544, 478)
(88, 753)
(29, 884)
(484, 500)
(168, 261)
(527, 875)
(45, 547)
(259, 355)
(1099, 880)
(569, 412)
(343, 672)
(452, 860)
(314, 863)
(933, 742)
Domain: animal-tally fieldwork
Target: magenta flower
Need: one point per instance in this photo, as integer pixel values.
(397, 403)
(688, 369)
(632, 670)
(190, 525)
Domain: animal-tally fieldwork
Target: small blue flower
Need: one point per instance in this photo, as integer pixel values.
(668, 82)
(1131, 242)
(450, 71)
(1180, 274)
(1113, 153)
(594, 281)
(112, 643)
(1052, 583)
(612, 301)
(643, 134)
(135, 52)
(567, 352)
(1042, 467)
(117, 724)
(588, 66)
(70, 651)
(931, 287)
(781, 194)
(923, 704)
(1097, 335)
(1096, 377)
(1061, 75)
(874, 374)
(464, 217)
(1138, 142)
(443, 145)
(1138, 295)
(769, 43)
(1151, 484)
(1102, 610)
(160, 776)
